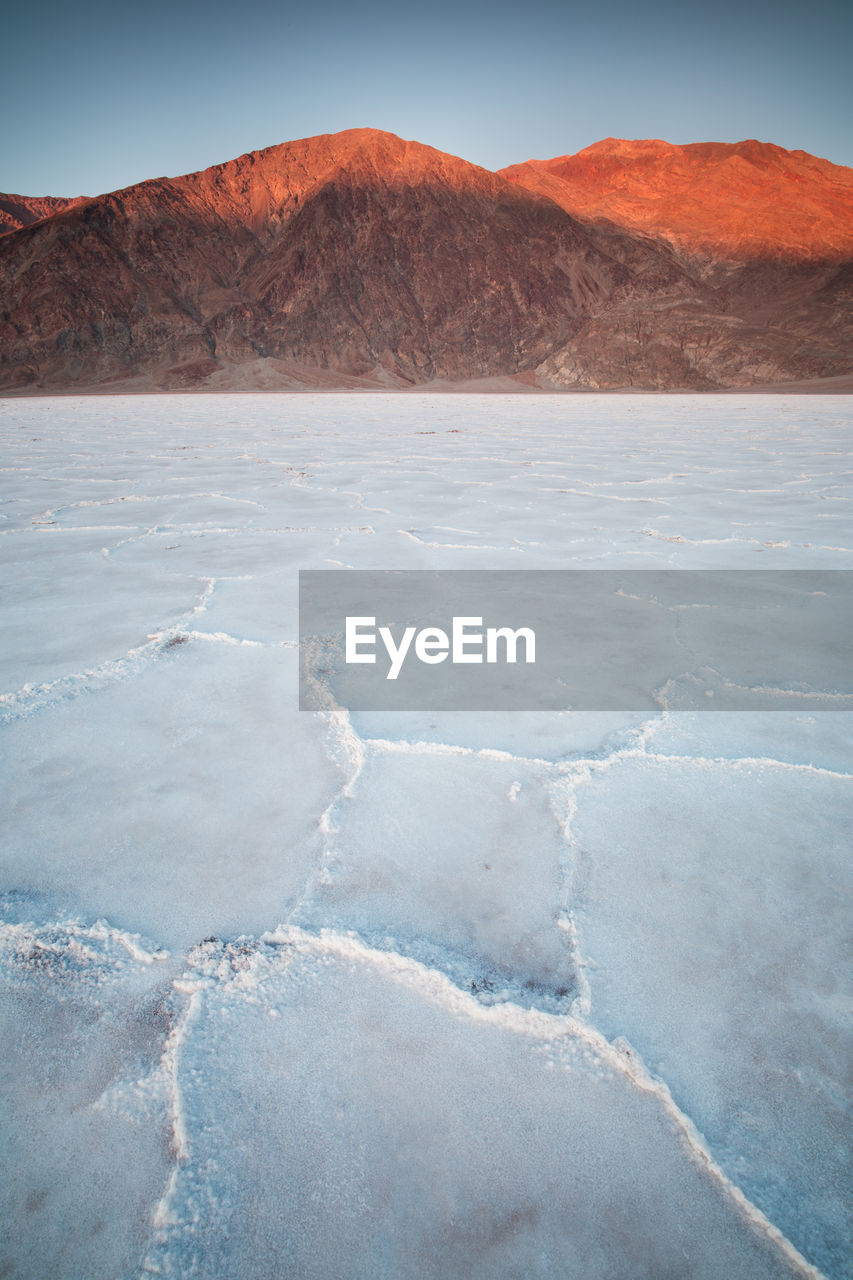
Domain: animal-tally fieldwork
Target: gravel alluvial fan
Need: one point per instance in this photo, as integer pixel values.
(361, 260)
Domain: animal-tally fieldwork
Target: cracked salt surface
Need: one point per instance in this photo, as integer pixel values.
(417, 994)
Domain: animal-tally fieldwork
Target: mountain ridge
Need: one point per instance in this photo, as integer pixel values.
(361, 258)
(22, 211)
(740, 201)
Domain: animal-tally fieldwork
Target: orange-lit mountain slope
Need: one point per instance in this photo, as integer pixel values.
(22, 211)
(745, 201)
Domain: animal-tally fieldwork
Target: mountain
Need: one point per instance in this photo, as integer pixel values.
(358, 259)
(712, 201)
(22, 211)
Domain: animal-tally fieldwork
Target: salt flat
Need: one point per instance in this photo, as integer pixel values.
(412, 994)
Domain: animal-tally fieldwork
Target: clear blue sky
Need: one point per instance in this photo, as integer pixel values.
(96, 95)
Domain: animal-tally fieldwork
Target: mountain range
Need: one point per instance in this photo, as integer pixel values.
(361, 260)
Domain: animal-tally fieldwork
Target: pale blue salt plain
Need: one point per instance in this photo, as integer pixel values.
(305, 995)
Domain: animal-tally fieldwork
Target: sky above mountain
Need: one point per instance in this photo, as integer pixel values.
(96, 96)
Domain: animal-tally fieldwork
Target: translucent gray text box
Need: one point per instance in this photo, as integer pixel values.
(605, 640)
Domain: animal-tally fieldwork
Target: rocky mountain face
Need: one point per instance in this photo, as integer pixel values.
(358, 259)
(23, 211)
(767, 234)
(713, 202)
